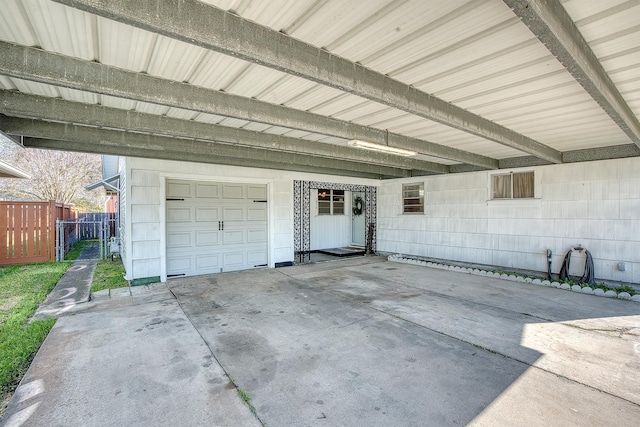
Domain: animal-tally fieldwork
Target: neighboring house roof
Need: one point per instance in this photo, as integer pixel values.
(466, 84)
(8, 171)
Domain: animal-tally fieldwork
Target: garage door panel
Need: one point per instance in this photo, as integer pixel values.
(207, 214)
(179, 239)
(257, 214)
(234, 260)
(233, 237)
(179, 265)
(208, 262)
(179, 189)
(207, 238)
(257, 258)
(208, 191)
(179, 214)
(233, 214)
(256, 236)
(233, 191)
(258, 192)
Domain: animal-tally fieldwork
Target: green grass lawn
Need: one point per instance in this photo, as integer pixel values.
(22, 289)
(108, 275)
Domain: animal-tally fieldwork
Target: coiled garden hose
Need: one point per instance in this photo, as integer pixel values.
(589, 272)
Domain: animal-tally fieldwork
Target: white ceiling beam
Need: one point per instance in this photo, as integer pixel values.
(203, 25)
(145, 153)
(51, 68)
(122, 143)
(18, 104)
(553, 26)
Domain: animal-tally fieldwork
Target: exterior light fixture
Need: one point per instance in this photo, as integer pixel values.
(381, 148)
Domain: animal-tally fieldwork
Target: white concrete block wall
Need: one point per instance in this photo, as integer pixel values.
(143, 208)
(595, 204)
(122, 213)
(144, 219)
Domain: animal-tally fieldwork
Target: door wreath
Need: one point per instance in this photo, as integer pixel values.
(358, 206)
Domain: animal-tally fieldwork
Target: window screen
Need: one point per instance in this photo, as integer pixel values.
(324, 202)
(413, 198)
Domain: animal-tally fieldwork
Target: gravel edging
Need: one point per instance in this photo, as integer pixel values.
(512, 277)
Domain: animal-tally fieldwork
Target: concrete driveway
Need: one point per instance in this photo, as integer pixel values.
(353, 342)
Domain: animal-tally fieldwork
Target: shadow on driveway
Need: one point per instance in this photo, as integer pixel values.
(365, 342)
(346, 343)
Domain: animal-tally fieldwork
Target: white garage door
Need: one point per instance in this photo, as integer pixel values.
(215, 227)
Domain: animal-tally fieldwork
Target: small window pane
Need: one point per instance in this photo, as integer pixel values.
(324, 208)
(324, 202)
(413, 198)
(501, 185)
(338, 202)
(523, 185)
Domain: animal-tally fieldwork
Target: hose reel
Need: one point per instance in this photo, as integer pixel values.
(587, 276)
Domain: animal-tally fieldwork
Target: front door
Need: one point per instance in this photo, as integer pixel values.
(358, 219)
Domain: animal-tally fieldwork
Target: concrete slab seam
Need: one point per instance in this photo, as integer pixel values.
(213, 354)
(468, 342)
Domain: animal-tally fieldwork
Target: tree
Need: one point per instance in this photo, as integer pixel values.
(55, 175)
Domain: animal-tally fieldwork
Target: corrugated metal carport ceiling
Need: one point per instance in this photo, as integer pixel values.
(469, 84)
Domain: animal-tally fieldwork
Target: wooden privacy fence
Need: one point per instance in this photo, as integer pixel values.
(28, 230)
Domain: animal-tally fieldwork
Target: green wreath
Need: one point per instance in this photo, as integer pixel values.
(358, 206)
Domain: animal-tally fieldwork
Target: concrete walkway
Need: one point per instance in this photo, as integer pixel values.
(73, 290)
(129, 359)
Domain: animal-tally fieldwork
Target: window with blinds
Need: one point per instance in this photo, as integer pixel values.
(413, 198)
(330, 202)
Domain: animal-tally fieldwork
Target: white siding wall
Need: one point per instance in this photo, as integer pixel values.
(330, 231)
(145, 206)
(595, 204)
(122, 213)
(144, 202)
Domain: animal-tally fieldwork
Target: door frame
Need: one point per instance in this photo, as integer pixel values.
(302, 213)
(207, 178)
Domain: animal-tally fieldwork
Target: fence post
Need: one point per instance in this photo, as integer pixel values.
(105, 229)
(52, 230)
(101, 238)
(58, 239)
